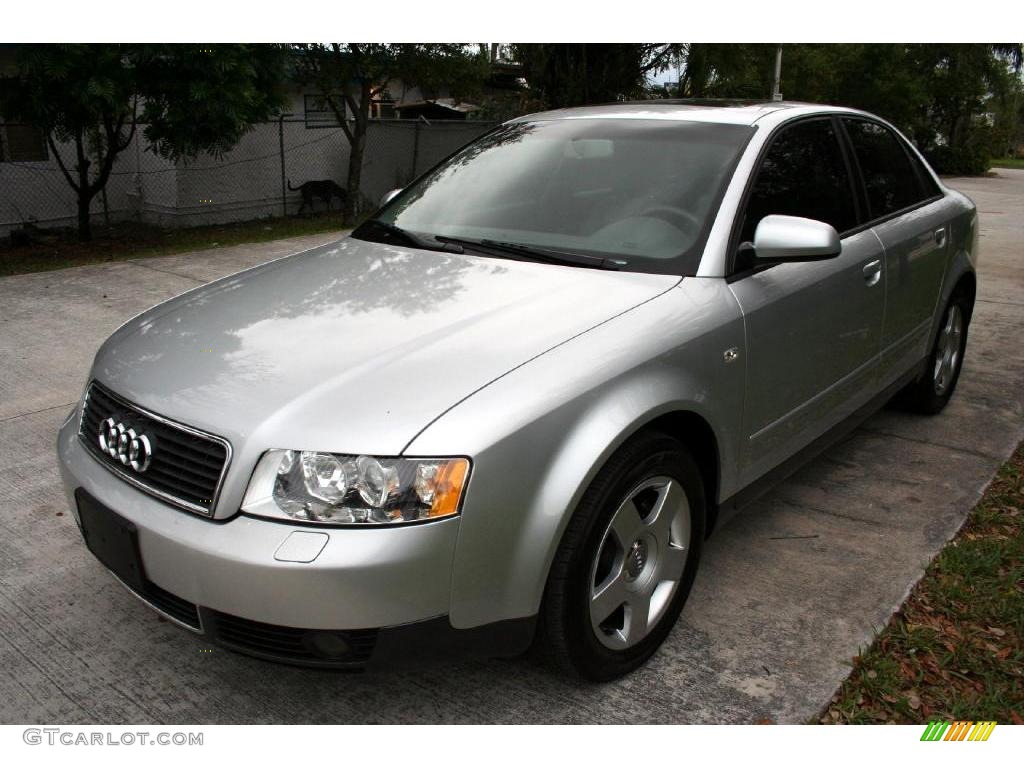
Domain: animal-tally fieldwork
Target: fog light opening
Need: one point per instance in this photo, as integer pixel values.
(326, 645)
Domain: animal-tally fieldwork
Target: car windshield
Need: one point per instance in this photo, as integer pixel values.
(637, 193)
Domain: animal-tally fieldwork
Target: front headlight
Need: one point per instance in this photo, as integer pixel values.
(340, 489)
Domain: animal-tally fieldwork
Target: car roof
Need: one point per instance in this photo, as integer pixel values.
(698, 110)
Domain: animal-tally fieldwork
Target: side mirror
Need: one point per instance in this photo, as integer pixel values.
(792, 238)
(389, 196)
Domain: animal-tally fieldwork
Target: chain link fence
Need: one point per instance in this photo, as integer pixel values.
(261, 177)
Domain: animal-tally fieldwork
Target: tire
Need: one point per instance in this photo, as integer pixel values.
(930, 393)
(636, 535)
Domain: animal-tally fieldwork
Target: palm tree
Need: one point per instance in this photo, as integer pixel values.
(1013, 52)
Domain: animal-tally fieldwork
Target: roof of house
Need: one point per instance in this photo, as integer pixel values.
(452, 104)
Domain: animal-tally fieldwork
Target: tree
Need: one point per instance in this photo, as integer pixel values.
(727, 70)
(940, 95)
(965, 78)
(189, 98)
(349, 75)
(1008, 120)
(572, 74)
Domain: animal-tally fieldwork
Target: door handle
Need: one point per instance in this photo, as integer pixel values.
(940, 237)
(872, 272)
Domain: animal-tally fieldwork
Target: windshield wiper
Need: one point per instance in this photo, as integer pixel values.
(411, 238)
(490, 247)
(533, 253)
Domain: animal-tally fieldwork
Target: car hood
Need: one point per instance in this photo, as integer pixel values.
(354, 346)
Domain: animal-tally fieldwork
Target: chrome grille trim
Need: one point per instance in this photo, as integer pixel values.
(139, 481)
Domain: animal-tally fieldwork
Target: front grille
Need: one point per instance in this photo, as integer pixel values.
(186, 466)
(291, 644)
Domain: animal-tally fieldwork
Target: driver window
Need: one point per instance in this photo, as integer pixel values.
(802, 174)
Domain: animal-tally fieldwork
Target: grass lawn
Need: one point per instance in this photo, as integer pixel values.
(1008, 162)
(60, 249)
(955, 651)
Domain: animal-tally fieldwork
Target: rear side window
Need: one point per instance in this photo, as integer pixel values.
(802, 174)
(927, 184)
(890, 180)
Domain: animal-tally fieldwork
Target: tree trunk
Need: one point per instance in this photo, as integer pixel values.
(85, 192)
(84, 189)
(695, 74)
(84, 222)
(357, 150)
(355, 171)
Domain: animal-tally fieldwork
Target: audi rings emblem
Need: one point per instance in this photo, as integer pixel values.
(125, 444)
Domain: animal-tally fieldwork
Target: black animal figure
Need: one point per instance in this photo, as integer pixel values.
(325, 189)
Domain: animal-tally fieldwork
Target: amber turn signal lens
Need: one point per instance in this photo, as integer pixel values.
(451, 479)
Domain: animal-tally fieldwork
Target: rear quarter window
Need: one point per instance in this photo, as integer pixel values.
(891, 180)
(929, 188)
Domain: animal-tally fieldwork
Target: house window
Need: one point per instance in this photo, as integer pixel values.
(319, 113)
(22, 143)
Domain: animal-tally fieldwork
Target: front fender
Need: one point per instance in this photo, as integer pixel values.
(539, 435)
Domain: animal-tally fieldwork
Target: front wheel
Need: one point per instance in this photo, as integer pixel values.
(627, 560)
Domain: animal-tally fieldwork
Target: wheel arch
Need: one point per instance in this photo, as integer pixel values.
(967, 283)
(509, 581)
(681, 421)
(960, 276)
(697, 435)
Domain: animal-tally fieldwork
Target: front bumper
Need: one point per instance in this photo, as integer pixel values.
(367, 586)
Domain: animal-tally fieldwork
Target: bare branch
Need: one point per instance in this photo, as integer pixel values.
(339, 115)
(351, 103)
(113, 149)
(135, 122)
(104, 174)
(60, 161)
(658, 58)
(117, 141)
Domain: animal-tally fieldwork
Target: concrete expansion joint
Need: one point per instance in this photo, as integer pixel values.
(196, 280)
(935, 444)
(32, 413)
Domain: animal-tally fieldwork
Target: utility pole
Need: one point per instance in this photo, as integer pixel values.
(777, 80)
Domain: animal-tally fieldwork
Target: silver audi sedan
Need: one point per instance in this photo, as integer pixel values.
(508, 409)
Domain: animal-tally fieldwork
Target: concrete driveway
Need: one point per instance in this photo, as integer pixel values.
(787, 593)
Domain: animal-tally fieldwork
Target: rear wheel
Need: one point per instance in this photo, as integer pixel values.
(933, 390)
(626, 562)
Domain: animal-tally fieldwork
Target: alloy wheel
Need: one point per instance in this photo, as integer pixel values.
(640, 562)
(947, 350)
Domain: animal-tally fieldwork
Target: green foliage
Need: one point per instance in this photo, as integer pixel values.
(972, 157)
(940, 95)
(961, 104)
(204, 98)
(191, 98)
(888, 80)
(355, 70)
(963, 78)
(727, 70)
(350, 74)
(571, 74)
